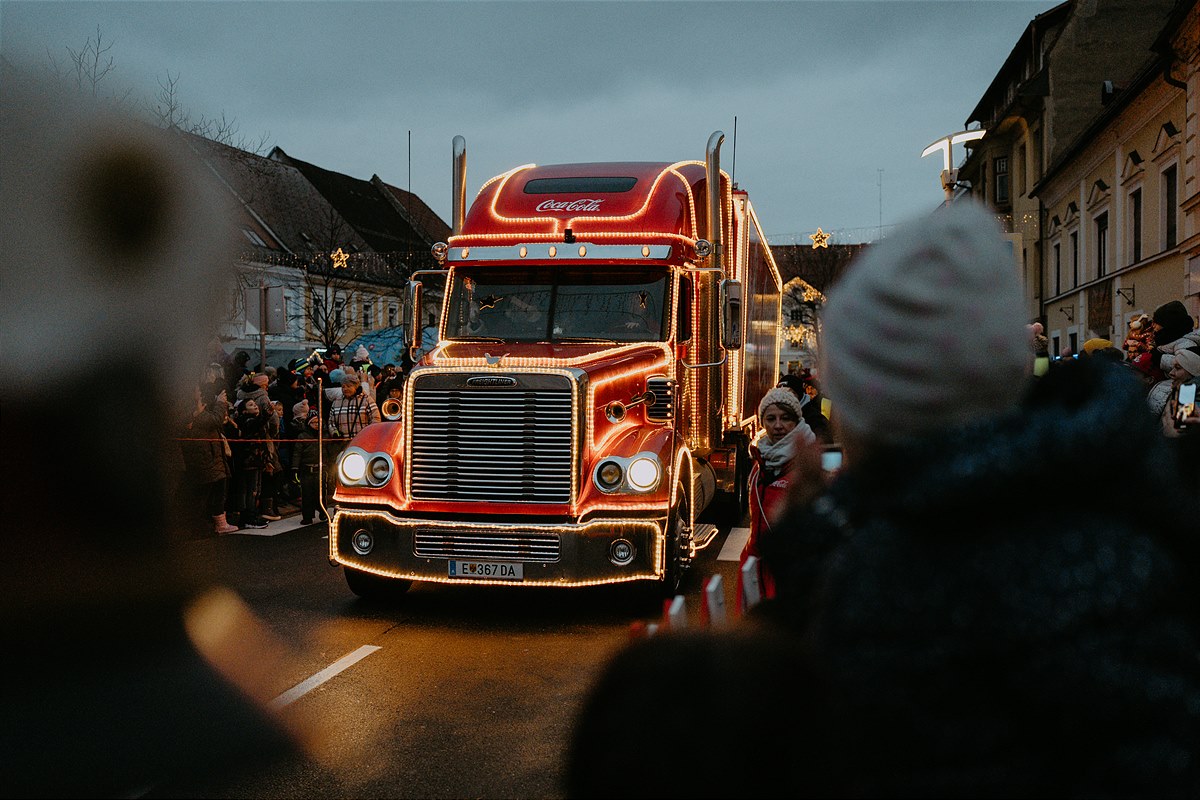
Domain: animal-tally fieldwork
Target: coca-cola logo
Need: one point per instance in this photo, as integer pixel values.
(584, 204)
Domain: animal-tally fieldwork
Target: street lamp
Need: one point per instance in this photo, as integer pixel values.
(946, 146)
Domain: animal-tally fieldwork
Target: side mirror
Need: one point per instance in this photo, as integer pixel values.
(731, 315)
(412, 331)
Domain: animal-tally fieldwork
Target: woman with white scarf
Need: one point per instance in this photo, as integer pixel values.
(776, 473)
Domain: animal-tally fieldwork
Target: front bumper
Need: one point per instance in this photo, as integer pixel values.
(565, 554)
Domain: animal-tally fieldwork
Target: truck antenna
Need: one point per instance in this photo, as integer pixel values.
(733, 166)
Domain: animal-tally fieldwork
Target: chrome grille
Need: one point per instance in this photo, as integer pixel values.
(505, 445)
(499, 546)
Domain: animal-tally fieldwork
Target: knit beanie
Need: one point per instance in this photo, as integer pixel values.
(1189, 360)
(335, 376)
(926, 331)
(781, 396)
(1173, 316)
(300, 410)
(1092, 345)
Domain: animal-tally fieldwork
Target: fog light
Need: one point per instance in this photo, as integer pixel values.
(362, 542)
(621, 552)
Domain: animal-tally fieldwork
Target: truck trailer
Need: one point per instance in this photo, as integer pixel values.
(606, 332)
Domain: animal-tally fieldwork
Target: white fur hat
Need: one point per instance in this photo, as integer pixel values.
(926, 331)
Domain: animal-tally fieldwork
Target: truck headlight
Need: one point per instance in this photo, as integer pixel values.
(353, 467)
(644, 473)
(638, 473)
(609, 474)
(380, 468)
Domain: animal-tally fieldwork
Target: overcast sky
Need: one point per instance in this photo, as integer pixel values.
(826, 94)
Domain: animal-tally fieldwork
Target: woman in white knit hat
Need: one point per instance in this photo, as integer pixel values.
(1185, 368)
(783, 460)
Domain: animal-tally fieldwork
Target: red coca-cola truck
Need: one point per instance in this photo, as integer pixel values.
(606, 332)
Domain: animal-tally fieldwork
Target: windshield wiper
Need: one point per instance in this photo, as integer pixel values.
(475, 339)
(583, 339)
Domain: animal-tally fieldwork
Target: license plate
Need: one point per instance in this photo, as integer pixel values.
(495, 570)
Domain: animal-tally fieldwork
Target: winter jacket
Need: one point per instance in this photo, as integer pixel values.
(1167, 359)
(349, 415)
(203, 451)
(985, 636)
(768, 497)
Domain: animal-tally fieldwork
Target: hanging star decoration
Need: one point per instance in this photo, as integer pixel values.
(643, 297)
(340, 258)
(820, 239)
(489, 302)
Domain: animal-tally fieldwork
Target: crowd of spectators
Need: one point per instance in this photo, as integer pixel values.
(260, 440)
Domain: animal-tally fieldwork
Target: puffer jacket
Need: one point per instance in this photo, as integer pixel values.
(993, 619)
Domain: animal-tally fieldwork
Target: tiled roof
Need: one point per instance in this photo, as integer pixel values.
(363, 205)
(428, 224)
(296, 215)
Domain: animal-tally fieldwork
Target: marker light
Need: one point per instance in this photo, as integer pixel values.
(582, 251)
(643, 474)
(553, 251)
(353, 467)
(524, 251)
(466, 251)
(645, 251)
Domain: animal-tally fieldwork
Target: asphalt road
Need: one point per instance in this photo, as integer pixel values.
(455, 691)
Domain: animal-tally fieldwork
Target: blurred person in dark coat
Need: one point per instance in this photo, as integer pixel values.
(980, 636)
(126, 667)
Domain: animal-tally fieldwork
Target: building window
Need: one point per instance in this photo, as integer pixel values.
(1171, 204)
(339, 308)
(1000, 174)
(392, 313)
(1057, 268)
(1073, 342)
(1056, 347)
(1102, 245)
(1021, 171)
(795, 316)
(368, 316)
(1074, 259)
(1135, 220)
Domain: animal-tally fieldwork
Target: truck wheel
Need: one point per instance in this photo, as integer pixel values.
(673, 575)
(375, 587)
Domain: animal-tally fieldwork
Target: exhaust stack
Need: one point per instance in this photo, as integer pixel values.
(459, 184)
(712, 161)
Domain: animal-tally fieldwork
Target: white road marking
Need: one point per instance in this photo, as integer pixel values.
(275, 528)
(734, 542)
(304, 687)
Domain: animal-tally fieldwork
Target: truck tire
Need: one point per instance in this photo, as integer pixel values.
(673, 572)
(375, 587)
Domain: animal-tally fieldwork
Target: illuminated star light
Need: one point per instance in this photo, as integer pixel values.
(339, 258)
(820, 239)
(489, 301)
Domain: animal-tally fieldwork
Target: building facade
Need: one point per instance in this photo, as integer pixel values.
(1085, 159)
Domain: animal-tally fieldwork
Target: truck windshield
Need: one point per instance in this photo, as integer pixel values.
(538, 303)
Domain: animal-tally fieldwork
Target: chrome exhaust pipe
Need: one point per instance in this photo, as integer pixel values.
(459, 183)
(712, 162)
